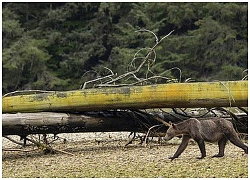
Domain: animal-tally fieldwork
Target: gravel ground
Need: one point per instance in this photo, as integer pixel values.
(104, 155)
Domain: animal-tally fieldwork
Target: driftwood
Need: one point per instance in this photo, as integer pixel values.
(173, 95)
(23, 124)
(54, 123)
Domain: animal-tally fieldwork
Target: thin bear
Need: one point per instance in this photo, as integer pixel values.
(211, 130)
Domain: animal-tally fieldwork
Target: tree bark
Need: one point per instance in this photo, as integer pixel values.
(203, 94)
(23, 124)
(54, 123)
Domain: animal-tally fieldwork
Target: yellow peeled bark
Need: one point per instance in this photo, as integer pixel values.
(200, 94)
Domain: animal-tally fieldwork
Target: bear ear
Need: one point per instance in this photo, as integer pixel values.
(174, 126)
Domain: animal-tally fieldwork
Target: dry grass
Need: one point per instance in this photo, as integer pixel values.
(110, 159)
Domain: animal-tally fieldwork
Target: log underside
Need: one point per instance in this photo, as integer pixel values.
(54, 123)
(23, 124)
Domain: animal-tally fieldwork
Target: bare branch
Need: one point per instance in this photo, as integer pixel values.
(146, 30)
(171, 70)
(230, 97)
(166, 36)
(45, 147)
(99, 79)
(112, 82)
(25, 92)
(14, 141)
(246, 76)
(188, 80)
(162, 121)
(146, 137)
(22, 150)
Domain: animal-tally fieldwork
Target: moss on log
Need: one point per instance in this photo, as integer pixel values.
(201, 94)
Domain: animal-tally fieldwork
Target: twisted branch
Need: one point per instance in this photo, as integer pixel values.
(132, 73)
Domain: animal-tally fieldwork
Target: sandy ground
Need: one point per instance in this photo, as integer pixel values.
(104, 155)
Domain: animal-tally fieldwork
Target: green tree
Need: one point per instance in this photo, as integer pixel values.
(51, 46)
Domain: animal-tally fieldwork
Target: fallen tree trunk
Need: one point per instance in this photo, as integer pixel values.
(54, 123)
(202, 94)
(23, 124)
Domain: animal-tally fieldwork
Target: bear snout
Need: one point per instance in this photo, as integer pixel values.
(167, 137)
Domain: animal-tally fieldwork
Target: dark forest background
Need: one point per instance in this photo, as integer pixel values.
(50, 46)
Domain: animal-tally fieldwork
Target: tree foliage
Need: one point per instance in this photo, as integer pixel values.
(51, 46)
